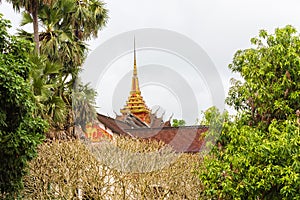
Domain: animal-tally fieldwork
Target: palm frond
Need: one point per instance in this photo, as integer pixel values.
(26, 18)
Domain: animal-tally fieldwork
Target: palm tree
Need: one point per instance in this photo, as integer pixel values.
(32, 7)
(45, 82)
(83, 104)
(88, 18)
(66, 25)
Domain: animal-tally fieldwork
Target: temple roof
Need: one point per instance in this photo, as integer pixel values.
(185, 139)
(115, 125)
(188, 139)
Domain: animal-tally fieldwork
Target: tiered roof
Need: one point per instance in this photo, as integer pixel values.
(135, 104)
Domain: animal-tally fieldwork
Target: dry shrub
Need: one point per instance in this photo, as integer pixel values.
(134, 155)
(111, 170)
(62, 170)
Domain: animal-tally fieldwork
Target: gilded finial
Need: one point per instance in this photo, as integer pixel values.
(135, 83)
(134, 64)
(135, 104)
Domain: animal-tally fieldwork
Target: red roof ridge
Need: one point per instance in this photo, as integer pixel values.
(171, 127)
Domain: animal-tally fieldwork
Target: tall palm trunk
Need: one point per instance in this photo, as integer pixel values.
(35, 26)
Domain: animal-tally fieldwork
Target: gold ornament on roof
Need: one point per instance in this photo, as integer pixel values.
(135, 104)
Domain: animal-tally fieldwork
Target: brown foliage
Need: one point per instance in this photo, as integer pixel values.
(121, 168)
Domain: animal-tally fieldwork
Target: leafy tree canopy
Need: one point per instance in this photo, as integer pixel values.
(271, 71)
(20, 132)
(178, 122)
(66, 25)
(257, 155)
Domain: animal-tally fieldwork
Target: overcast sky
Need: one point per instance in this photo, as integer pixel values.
(219, 27)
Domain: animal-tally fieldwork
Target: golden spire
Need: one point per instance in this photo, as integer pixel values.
(135, 88)
(134, 59)
(135, 103)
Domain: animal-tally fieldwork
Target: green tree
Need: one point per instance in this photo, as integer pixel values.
(214, 119)
(45, 81)
(67, 25)
(178, 122)
(20, 132)
(86, 18)
(31, 7)
(83, 104)
(258, 154)
(271, 73)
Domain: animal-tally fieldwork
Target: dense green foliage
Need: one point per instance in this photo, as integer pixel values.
(45, 81)
(41, 84)
(20, 132)
(258, 152)
(66, 25)
(32, 7)
(178, 122)
(84, 105)
(271, 73)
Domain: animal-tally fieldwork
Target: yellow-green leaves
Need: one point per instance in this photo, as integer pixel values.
(261, 156)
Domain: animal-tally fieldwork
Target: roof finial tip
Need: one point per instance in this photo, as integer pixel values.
(134, 64)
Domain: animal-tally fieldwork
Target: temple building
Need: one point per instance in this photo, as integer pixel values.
(138, 121)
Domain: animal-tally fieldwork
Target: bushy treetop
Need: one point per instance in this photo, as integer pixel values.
(271, 73)
(258, 155)
(20, 132)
